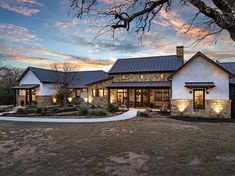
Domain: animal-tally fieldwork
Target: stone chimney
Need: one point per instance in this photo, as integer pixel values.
(180, 51)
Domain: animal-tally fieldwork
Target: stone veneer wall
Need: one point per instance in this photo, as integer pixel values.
(213, 108)
(136, 77)
(44, 100)
(98, 101)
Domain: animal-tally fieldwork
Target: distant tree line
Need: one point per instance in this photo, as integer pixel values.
(8, 79)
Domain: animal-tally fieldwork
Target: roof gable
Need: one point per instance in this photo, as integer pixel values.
(199, 54)
(147, 64)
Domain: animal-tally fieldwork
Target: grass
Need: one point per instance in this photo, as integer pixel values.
(152, 146)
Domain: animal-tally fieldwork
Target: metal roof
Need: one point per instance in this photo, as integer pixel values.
(141, 84)
(199, 84)
(147, 64)
(26, 86)
(230, 66)
(80, 78)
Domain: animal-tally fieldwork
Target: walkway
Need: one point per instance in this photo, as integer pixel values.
(127, 115)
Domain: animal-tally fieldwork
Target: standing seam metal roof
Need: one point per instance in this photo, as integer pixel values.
(147, 64)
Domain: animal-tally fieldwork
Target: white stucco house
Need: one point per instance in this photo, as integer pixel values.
(199, 87)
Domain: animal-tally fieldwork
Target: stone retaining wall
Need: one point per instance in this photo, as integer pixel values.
(213, 108)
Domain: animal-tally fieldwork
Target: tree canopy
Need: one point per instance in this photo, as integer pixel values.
(137, 15)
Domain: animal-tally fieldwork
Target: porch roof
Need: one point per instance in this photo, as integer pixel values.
(140, 84)
(26, 86)
(199, 84)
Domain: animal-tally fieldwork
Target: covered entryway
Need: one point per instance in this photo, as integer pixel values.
(232, 97)
(143, 94)
(27, 92)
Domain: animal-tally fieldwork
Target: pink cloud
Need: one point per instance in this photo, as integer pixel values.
(13, 33)
(21, 6)
(63, 26)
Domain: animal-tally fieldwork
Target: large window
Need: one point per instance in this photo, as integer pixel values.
(162, 95)
(78, 92)
(199, 99)
(121, 95)
(99, 92)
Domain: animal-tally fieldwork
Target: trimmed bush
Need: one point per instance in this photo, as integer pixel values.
(84, 109)
(112, 107)
(21, 111)
(98, 112)
(41, 110)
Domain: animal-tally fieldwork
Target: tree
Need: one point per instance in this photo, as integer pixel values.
(219, 15)
(8, 79)
(65, 78)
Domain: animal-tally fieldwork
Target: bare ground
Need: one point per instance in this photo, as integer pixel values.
(158, 146)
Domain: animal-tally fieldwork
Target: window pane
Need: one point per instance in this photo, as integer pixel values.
(78, 92)
(105, 92)
(93, 92)
(199, 99)
(101, 93)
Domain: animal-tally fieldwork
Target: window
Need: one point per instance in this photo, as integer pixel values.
(78, 92)
(162, 95)
(99, 92)
(124, 77)
(141, 76)
(199, 99)
(105, 92)
(121, 95)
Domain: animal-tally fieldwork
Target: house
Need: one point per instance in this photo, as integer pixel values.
(40, 85)
(199, 87)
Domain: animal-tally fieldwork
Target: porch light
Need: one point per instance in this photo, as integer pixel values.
(54, 99)
(207, 90)
(85, 99)
(190, 90)
(218, 106)
(70, 99)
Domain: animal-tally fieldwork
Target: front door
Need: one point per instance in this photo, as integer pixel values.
(141, 97)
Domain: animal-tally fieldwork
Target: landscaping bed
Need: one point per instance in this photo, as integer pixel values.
(82, 111)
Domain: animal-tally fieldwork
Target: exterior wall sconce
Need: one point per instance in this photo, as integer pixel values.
(54, 99)
(190, 90)
(207, 90)
(70, 99)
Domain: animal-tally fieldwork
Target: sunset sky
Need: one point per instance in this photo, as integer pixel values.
(40, 32)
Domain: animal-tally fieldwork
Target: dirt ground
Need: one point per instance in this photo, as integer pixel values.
(157, 146)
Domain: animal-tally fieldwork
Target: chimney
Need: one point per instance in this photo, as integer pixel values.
(180, 51)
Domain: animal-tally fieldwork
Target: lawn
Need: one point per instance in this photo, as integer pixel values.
(141, 146)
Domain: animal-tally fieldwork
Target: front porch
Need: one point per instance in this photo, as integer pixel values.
(153, 94)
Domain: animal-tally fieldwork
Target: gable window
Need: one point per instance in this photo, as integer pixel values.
(141, 76)
(199, 99)
(95, 93)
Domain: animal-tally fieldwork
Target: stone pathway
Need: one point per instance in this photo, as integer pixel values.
(126, 115)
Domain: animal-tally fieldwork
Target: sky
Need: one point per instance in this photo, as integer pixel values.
(42, 32)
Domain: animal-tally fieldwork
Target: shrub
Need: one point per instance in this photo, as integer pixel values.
(98, 112)
(21, 111)
(41, 110)
(112, 107)
(84, 109)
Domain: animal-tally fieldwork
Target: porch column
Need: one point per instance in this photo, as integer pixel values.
(30, 97)
(14, 97)
(149, 97)
(26, 97)
(128, 99)
(108, 95)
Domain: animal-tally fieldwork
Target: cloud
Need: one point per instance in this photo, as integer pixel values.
(23, 7)
(63, 26)
(43, 57)
(13, 33)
